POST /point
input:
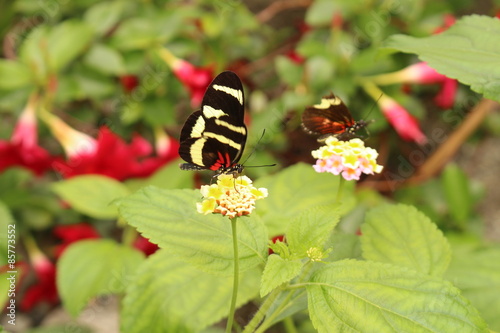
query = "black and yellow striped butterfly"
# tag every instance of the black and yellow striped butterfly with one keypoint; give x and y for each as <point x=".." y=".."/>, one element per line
<point x="213" y="138"/>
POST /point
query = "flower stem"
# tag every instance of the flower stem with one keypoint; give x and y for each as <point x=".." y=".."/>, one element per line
<point x="340" y="188"/>
<point x="236" y="280"/>
<point x="371" y="89"/>
<point x="261" y="313"/>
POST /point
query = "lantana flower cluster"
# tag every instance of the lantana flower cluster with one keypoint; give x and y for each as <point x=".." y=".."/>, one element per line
<point x="347" y="158"/>
<point x="230" y="196"/>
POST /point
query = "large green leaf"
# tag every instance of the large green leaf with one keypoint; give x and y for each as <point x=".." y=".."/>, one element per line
<point x="169" y="176"/>
<point x="475" y="269"/>
<point x="295" y="189"/>
<point x="277" y="272"/>
<point x="94" y="267"/>
<point x="401" y="235"/>
<point x="468" y="51"/>
<point x="14" y="75"/>
<point x="169" y="219"/>
<point x="169" y="295"/>
<point x="360" y="296"/>
<point x="92" y="194"/>
<point x="311" y="229"/>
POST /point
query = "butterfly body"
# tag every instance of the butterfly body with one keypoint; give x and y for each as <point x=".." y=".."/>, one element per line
<point x="213" y="138"/>
<point x="331" y="117"/>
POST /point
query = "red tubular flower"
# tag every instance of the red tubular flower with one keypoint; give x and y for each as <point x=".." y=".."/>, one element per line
<point x="195" y="79"/>
<point x="44" y="290"/>
<point x="72" y="233"/>
<point x="114" y="158"/>
<point x="295" y="57"/>
<point x="145" y="246"/>
<point x="23" y="149"/>
<point x="448" y="21"/>
<point x="404" y="123"/>
<point x="445" y="98"/>
<point x="421" y="73"/>
<point x="129" y="82"/>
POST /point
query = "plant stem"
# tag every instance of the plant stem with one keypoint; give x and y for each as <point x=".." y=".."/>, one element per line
<point x="340" y="189"/>
<point x="261" y="313"/>
<point x="232" y="309"/>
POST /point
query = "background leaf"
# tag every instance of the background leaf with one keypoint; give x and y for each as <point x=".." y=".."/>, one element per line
<point x="468" y="51"/>
<point x="179" y="297"/>
<point x="295" y="189"/>
<point x="66" y="41"/>
<point x="475" y="269"/>
<point x="92" y="194"/>
<point x="277" y="272"/>
<point x="105" y="60"/>
<point x="169" y="219"/>
<point x="401" y="235"/>
<point x="311" y="229"/>
<point x="94" y="267"/>
<point x="6" y="220"/>
<point x="358" y="296"/>
<point x="14" y="75"/>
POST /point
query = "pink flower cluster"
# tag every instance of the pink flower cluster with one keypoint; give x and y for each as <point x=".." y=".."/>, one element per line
<point x="347" y="158"/>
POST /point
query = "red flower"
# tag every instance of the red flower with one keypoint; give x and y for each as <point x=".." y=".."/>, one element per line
<point x="145" y="246"/>
<point x="22" y="149"/>
<point x="195" y="79"/>
<point x="404" y="123"/>
<point x="448" y="21"/>
<point x="421" y="73"/>
<point x="129" y="82"/>
<point x="445" y="98"/>
<point x="295" y="57"/>
<point x="114" y="158"/>
<point x="72" y="233"/>
<point x="275" y="239"/>
<point x="44" y="290"/>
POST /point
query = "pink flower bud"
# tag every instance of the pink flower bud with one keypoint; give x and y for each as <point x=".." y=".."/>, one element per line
<point x="404" y="123"/>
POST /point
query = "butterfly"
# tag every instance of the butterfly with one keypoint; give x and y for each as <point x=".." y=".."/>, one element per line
<point x="213" y="138"/>
<point x="331" y="117"/>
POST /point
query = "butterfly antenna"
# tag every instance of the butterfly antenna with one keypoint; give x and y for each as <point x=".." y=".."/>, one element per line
<point x="253" y="151"/>
<point x="373" y="106"/>
<point x="255" y="147"/>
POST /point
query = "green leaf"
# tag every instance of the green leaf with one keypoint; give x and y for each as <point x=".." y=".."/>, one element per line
<point x="14" y="75"/>
<point x="475" y="269"/>
<point x="358" y="296"/>
<point x="467" y="51"/>
<point x="311" y="229"/>
<point x="457" y="194"/>
<point x="92" y="194"/>
<point x="94" y="267"/>
<point x="277" y="272"/>
<point x="169" y="219"/>
<point x="168" y="177"/>
<point x="105" y="60"/>
<point x="289" y="72"/>
<point x="7" y="235"/>
<point x="66" y="41"/>
<point x="401" y="235"/>
<point x="169" y="295"/>
<point x="104" y="15"/>
<point x="295" y="189"/>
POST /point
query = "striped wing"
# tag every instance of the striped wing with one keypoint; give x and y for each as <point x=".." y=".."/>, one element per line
<point x="214" y="137"/>
<point x="331" y="116"/>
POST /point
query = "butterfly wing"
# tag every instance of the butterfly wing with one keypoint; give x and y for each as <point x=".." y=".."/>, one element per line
<point x="331" y="116"/>
<point x="214" y="137"/>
